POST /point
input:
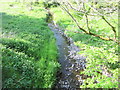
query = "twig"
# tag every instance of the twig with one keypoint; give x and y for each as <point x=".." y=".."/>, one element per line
<point x="89" y="33"/>
<point x="74" y="19"/>
<point x="113" y="28"/>
<point x="87" y="21"/>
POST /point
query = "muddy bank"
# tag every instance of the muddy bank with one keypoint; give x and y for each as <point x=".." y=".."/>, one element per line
<point x="71" y="63"/>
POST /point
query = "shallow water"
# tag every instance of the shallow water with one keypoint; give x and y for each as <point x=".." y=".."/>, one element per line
<point x="71" y="63"/>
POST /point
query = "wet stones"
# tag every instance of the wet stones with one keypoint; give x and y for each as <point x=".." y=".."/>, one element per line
<point x="68" y="74"/>
<point x="72" y="62"/>
<point x="63" y="84"/>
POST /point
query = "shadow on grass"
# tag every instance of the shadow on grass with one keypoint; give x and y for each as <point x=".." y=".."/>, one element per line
<point x="34" y="30"/>
<point x="32" y="37"/>
<point x="23" y="23"/>
<point x="64" y="23"/>
<point x="91" y="40"/>
<point x="85" y="38"/>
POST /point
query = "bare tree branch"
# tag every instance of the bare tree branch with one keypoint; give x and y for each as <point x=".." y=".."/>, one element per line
<point x="87" y="21"/>
<point x="90" y="11"/>
<point x="75" y="8"/>
<point x="113" y="28"/>
<point x="89" y="33"/>
<point x="74" y="19"/>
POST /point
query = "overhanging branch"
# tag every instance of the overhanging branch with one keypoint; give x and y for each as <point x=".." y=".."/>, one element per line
<point x="89" y="33"/>
<point x="113" y="28"/>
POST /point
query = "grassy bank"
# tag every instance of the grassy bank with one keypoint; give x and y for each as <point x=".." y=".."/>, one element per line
<point x="29" y="53"/>
<point x="102" y="56"/>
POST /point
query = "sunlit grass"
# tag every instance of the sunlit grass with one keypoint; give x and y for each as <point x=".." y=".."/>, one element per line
<point x="29" y="51"/>
<point x="97" y="51"/>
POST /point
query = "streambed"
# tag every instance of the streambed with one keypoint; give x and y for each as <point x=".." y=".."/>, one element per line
<point x="71" y="62"/>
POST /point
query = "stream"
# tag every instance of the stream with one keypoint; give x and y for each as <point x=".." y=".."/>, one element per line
<point x="71" y="62"/>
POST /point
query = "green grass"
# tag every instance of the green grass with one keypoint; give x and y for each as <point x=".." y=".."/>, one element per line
<point x="29" y="52"/>
<point x="96" y="24"/>
<point x="98" y="52"/>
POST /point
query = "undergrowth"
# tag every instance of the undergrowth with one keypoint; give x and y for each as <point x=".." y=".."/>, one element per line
<point x="101" y="56"/>
<point x="29" y="52"/>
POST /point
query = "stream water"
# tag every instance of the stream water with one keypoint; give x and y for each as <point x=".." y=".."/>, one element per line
<point x="71" y="63"/>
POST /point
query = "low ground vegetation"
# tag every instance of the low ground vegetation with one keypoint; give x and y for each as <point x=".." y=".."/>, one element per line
<point x="102" y="56"/>
<point x="29" y="53"/>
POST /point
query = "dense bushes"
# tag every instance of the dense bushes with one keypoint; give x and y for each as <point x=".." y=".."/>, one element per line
<point x="102" y="65"/>
<point x="29" y="53"/>
<point x="18" y="69"/>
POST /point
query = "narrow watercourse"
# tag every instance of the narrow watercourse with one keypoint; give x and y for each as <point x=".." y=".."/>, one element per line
<point x="71" y="63"/>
